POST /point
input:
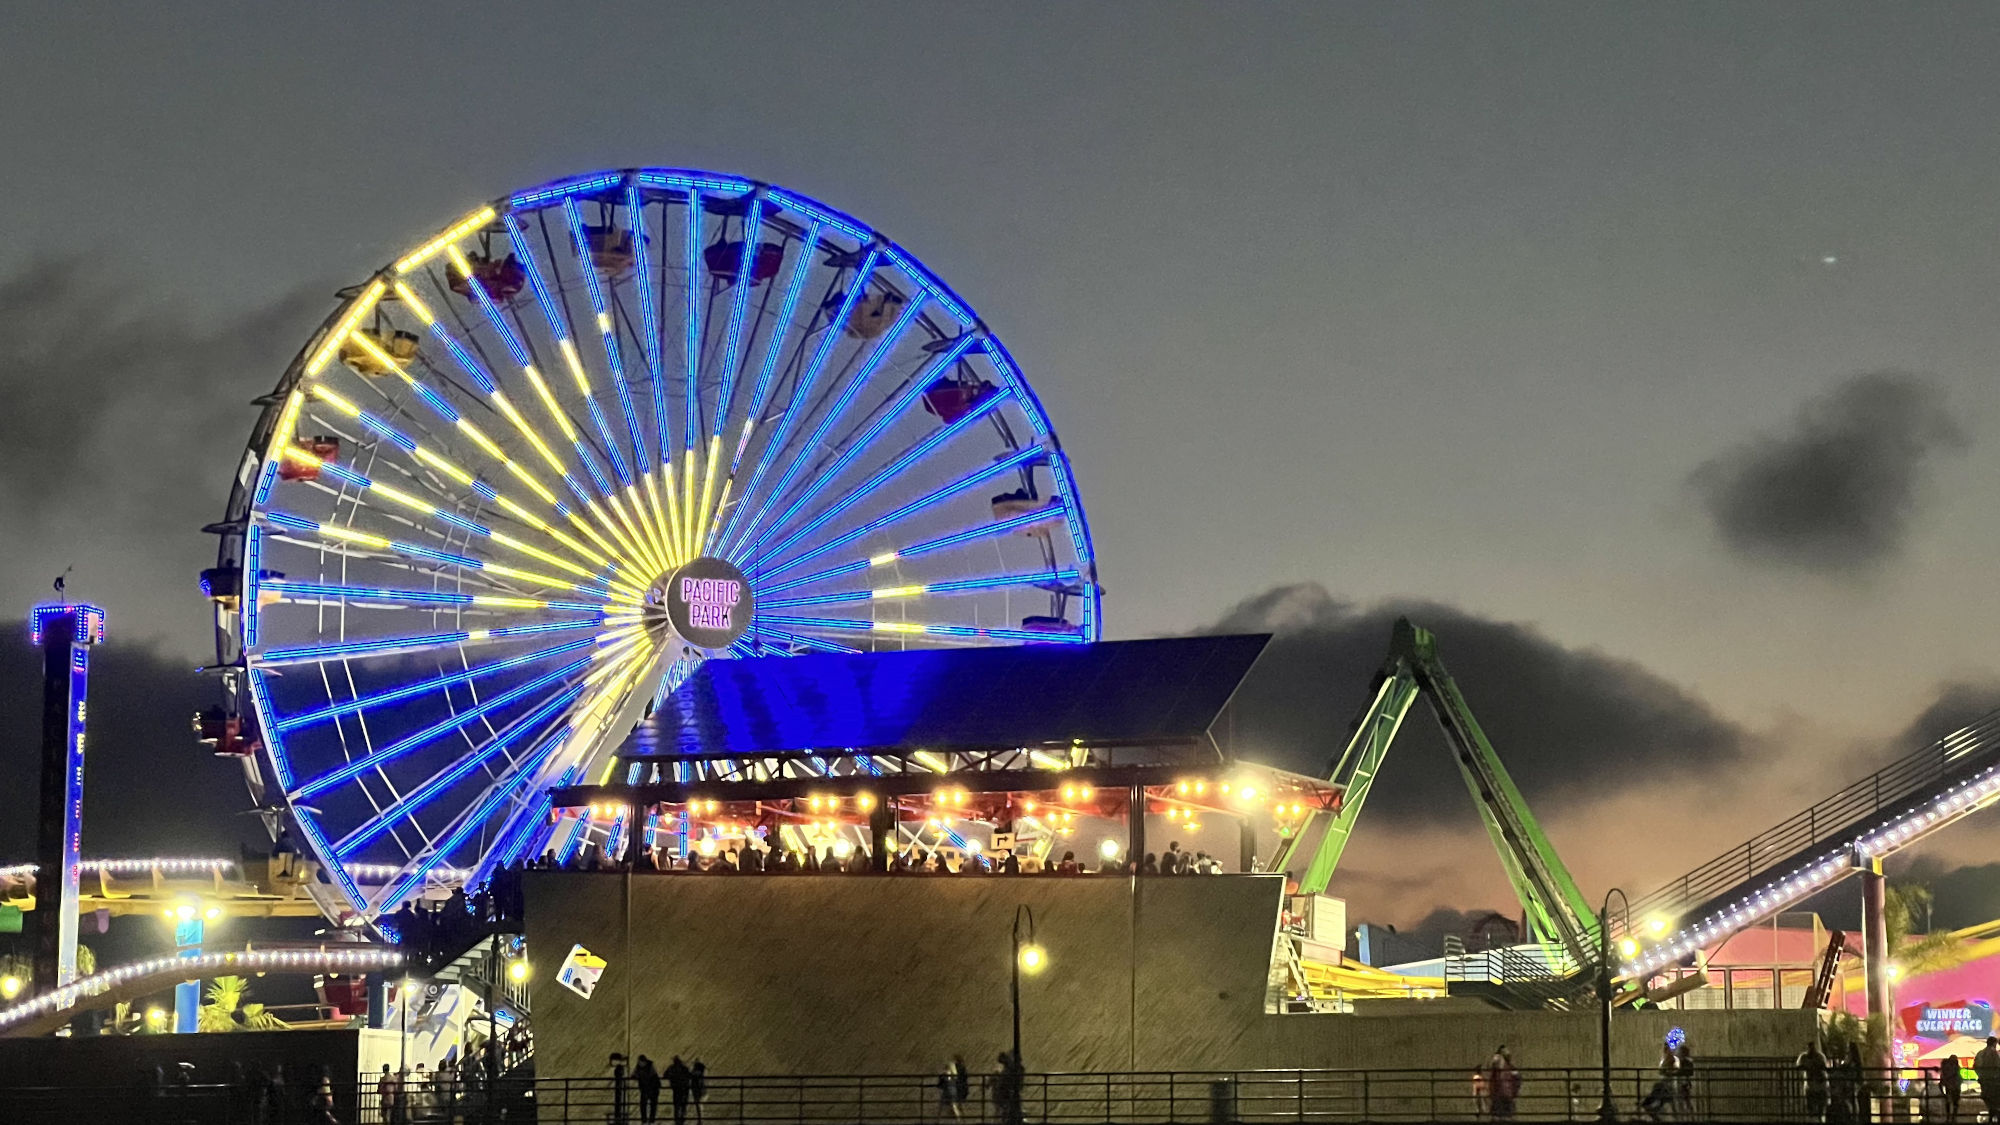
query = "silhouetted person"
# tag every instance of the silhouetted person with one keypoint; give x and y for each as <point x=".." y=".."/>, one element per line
<point x="1150" y="865"/>
<point x="1812" y="1076"/>
<point x="1951" y="1079"/>
<point x="698" y="1086"/>
<point x="1010" y="864"/>
<point x="1172" y="858"/>
<point x="1503" y="1083"/>
<point x="1068" y="865"/>
<point x="617" y="1088"/>
<point x="753" y="861"/>
<point x="647" y="1079"/>
<point x="680" y="1082"/>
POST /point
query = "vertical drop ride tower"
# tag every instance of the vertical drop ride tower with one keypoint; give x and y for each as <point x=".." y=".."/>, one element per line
<point x="65" y="633"/>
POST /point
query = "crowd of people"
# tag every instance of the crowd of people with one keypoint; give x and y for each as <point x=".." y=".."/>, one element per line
<point x="759" y="856"/>
<point x="686" y="1087"/>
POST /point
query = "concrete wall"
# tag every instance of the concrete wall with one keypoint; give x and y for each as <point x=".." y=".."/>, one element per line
<point x="884" y="975"/>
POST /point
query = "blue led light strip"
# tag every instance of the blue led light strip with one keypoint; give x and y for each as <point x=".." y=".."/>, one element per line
<point x="411" y="742"/>
<point x="694" y="288"/>
<point x="739" y="303"/>
<point x="608" y="335"/>
<point x="765" y="634"/>
<point x="801" y="268"/>
<point x="955" y="586"/>
<point x="885" y="418"/>
<point x="902" y="464"/>
<point x="802" y="391"/>
<point x="391" y="594"/>
<point x="474" y="818"/>
<point x="635" y="218"/>
<point x="422" y="795"/>
<point x="305" y="654"/>
<point x="833" y="414"/>
<point x="849" y="625"/>
<point x="579" y="185"/>
<point x="942" y="542"/>
<point x="425" y="687"/>
<point x="1079" y="528"/>
<point x="1006" y="464"/>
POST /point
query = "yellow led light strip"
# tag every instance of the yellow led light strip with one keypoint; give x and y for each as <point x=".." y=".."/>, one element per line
<point x="418" y="504"/>
<point x="361" y="307"/>
<point x="366" y="539"/>
<point x="485" y="443"/>
<point x="452" y="234"/>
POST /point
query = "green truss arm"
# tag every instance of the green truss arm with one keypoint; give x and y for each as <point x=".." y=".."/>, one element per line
<point x="1557" y="910"/>
<point x="1353" y="774"/>
<point x="1555" y="906"/>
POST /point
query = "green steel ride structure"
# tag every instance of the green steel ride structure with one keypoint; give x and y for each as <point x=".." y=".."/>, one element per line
<point x="1557" y="911"/>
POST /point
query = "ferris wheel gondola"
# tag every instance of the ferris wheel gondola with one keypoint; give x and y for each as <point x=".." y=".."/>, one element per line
<point x="529" y="475"/>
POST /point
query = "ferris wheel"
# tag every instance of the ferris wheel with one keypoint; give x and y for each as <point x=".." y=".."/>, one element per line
<point x="526" y="477"/>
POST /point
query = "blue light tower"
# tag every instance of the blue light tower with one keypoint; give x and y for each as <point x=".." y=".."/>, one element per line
<point x="65" y="631"/>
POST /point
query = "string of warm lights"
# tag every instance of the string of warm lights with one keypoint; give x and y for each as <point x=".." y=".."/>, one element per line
<point x="352" y="959"/>
<point x="167" y="865"/>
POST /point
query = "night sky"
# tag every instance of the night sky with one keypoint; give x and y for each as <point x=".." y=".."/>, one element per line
<point x="1644" y="352"/>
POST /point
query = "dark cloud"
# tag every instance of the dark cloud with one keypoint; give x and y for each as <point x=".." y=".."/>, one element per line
<point x="1568" y="723"/>
<point x="150" y="789"/>
<point x="1835" y="491"/>
<point x="125" y="418"/>
<point x="1956" y="707"/>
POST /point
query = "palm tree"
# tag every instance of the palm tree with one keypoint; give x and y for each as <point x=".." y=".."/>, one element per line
<point x="1928" y="953"/>
<point x="229" y="1009"/>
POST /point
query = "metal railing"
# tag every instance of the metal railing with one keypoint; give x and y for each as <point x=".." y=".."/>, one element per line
<point x="1722" y="1090"/>
<point x="1839" y="818"/>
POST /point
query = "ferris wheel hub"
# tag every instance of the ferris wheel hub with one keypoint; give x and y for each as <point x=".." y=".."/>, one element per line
<point x="706" y="601"/>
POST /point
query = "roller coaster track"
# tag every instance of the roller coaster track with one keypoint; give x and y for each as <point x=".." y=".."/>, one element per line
<point x="1884" y="812"/>
<point x="51" y="1010"/>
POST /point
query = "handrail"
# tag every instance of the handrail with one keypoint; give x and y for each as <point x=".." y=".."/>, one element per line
<point x="1836" y="817"/>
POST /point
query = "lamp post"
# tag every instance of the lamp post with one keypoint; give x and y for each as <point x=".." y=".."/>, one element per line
<point x="1027" y="956"/>
<point x="1605" y="1110"/>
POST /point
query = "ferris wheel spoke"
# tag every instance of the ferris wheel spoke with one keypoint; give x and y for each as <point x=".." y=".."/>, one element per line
<point x="389" y="596"/>
<point x="1007" y="464"/>
<point x="421" y="688"/>
<point x="775" y="348"/>
<point x="739" y="304"/>
<point x="378" y="758"/>
<point x="802" y="391"/>
<point x="489" y="447"/>
<point x="607" y="332"/>
<point x="913" y="628"/>
<point x="765" y="634"/>
<point x="921" y="589"/>
<point x="465" y="824"/>
<point x="470" y="528"/>
<point x="431" y="642"/>
<point x="485" y="493"/>
<point x="409" y="804"/>
<point x="909" y="458"/>
<point x="649" y="296"/>
<point x="997" y="528"/>
<point x="810" y="450"/>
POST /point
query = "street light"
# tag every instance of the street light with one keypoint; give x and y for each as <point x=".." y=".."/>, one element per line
<point x="1605" y="1110"/>
<point x="1029" y="958"/>
<point x="10" y="986"/>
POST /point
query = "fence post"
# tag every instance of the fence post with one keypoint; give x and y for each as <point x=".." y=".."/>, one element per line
<point x="861" y="1099"/>
<point x="1301" y="1080"/>
<point x="1367" y="1113"/>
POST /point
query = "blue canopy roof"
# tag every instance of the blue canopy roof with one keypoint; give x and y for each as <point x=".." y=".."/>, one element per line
<point x="1166" y="691"/>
